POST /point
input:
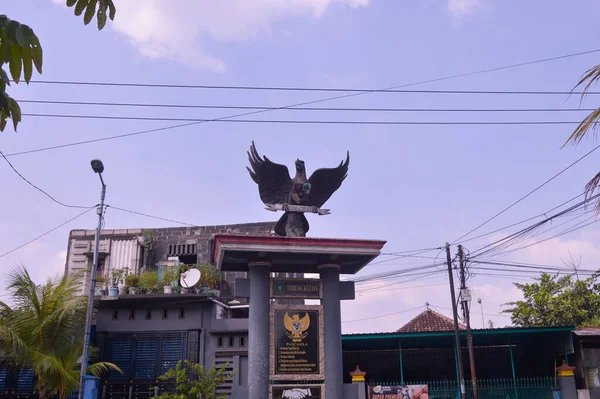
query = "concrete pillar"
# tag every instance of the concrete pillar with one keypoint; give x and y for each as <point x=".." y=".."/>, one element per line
<point x="330" y="276"/>
<point x="358" y="378"/>
<point x="258" y="330"/>
<point x="566" y="381"/>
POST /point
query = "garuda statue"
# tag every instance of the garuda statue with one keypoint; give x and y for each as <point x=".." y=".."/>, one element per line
<point x="275" y="186"/>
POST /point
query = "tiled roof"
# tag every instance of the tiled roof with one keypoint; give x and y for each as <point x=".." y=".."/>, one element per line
<point x="429" y="321"/>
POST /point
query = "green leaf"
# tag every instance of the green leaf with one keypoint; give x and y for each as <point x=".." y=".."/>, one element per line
<point x="22" y="35"/>
<point x="15" y="110"/>
<point x="27" y="63"/>
<point x="2" y="123"/>
<point x="71" y="3"/>
<point x="37" y="57"/>
<point x="10" y="32"/>
<point x="112" y="10"/>
<point x="101" y="16"/>
<point x="15" y="62"/>
<point x="81" y="4"/>
<point x="4" y="76"/>
<point x="90" y="11"/>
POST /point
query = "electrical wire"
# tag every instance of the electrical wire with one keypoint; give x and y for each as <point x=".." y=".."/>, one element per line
<point x="150" y="216"/>
<point x="47" y="232"/>
<point x="504" y="67"/>
<point x="530" y="266"/>
<point x="329" y="109"/>
<point x="309" y="122"/>
<point x="529" y="193"/>
<point x="383" y="315"/>
<point x="39" y="189"/>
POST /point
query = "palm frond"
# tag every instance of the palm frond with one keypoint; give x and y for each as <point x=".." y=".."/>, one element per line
<point x="589" y="123"/>
<point x="590" y="76"/>
<point x="99" y="368"/>
<point x="590" y="189"/>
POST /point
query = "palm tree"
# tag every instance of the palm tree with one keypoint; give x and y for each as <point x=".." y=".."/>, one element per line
<point x="589" y="124"/>
<point x="44" y="331"/>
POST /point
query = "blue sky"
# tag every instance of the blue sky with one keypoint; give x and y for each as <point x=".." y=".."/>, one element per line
<point x="414" y="186"/>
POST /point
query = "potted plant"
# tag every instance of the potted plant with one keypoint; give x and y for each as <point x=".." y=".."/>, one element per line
<point x="149" y="281"/>
<point x="169" y="277"/>
<point x="116" y="275"/>
<point x="182" y="268"/>
<point x="210" y="278"/>
<point x="122" y="287"/>
<point x="132" y="281"/>
<point x="100" y="281"/>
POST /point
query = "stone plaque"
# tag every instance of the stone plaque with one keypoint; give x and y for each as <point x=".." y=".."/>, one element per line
<point x="296" y="342"/>
<point x="296" y="391"/>
<point x="301" y="288"/>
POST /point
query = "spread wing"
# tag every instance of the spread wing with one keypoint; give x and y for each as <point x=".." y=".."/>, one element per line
<point x="326" y="181"/>
<point x="304" y="322"/>
<point x="288" y="322"/>
<point x="273" y="179"/>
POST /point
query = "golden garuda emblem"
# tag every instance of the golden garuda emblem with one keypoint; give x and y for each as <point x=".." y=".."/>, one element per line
<point x="296" y="326"/>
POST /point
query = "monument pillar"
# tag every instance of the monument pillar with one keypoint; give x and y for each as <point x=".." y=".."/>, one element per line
<point x="258" y="329"/>
<point x="330" y="276"/>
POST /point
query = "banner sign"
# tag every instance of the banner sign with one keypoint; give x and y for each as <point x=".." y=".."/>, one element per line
<point x="398" y="392"/>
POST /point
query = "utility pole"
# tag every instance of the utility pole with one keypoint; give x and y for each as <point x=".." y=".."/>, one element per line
<point x="98" y="168"/>
<point x="456" y="331"/>
<point x="465" y="306"/>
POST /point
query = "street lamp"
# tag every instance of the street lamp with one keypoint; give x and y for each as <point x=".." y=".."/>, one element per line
<point x="98" y="167"/>
<point x="480" y="302"/>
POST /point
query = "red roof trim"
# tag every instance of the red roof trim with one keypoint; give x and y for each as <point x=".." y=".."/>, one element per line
<point x="339" y="242"/>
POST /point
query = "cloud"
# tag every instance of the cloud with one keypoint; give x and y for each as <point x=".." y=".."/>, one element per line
<point x="175" y="29"/>
<point x="461" y="9"/>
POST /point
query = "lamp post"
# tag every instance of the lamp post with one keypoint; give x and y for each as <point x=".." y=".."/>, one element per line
<point x="98" y="167"/>
<point x="480" y="302"/>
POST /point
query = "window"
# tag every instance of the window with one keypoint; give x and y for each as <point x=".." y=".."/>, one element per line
<point x="165" y="314"/>
<point x="231" y="342"/>
<point x="148" y="314"/>
<point x="242" y="342"/>
<point x="181" y="313"/>
<point x="132" y="315"/>
<point x="115" y="315"/>
<point x="219" y="342"/>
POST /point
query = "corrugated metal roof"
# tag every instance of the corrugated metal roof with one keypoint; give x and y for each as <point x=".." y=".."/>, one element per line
<point x="124" y="253"/>
<point x="587" y="332"/>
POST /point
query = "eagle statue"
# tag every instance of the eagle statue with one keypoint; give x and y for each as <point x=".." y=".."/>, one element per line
<point x="275" y="186"/>
<point x="296" y="326"/>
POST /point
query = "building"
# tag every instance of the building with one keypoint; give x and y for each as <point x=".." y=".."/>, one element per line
<point x="148" y="249"/>
<point x="587" y="354"/>
<point x="510" y="362"/>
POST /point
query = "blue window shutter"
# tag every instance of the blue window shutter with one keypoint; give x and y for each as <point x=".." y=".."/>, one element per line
<point x="120" y="354"/>
<point x="172" y="350"/>
<point x="146" y="348"/>
<point x="3" y="375"/>
<point x="25" y="381"/>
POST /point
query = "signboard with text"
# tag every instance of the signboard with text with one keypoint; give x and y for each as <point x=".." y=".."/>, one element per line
<point x="296" y="342"/>
<point x="300" y="288"/>
<point x="296" y="391"/>
<point x="398" y="392"/>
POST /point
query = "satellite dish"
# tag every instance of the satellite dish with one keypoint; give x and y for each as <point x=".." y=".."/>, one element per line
<point x="190" y="278"/>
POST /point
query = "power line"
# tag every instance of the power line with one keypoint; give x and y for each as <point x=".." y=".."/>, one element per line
<point x="528" y="194"/>
<point x="530" y="266"/>
<point x="329" y="109"/>
<point x="383" y="315"/>
<point x="510" y="238"/>
<point x="307" y="102"/>
<point x="302" y="122"/>
<point x="47" y="232"/>
<point x="524" y="220"/>
<point x="150" y="216"/>
<point x="37" y="188"/>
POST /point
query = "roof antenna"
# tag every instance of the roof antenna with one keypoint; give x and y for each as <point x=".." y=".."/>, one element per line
<point x="427" y="306"/>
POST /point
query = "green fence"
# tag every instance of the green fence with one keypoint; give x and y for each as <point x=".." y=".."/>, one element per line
<point x="501" y="388"/>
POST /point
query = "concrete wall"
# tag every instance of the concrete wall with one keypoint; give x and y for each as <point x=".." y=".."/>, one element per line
<point x="591" y="359"/>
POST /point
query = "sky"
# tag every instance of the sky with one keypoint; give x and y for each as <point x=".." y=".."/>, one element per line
<point x="415" y="186"/>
